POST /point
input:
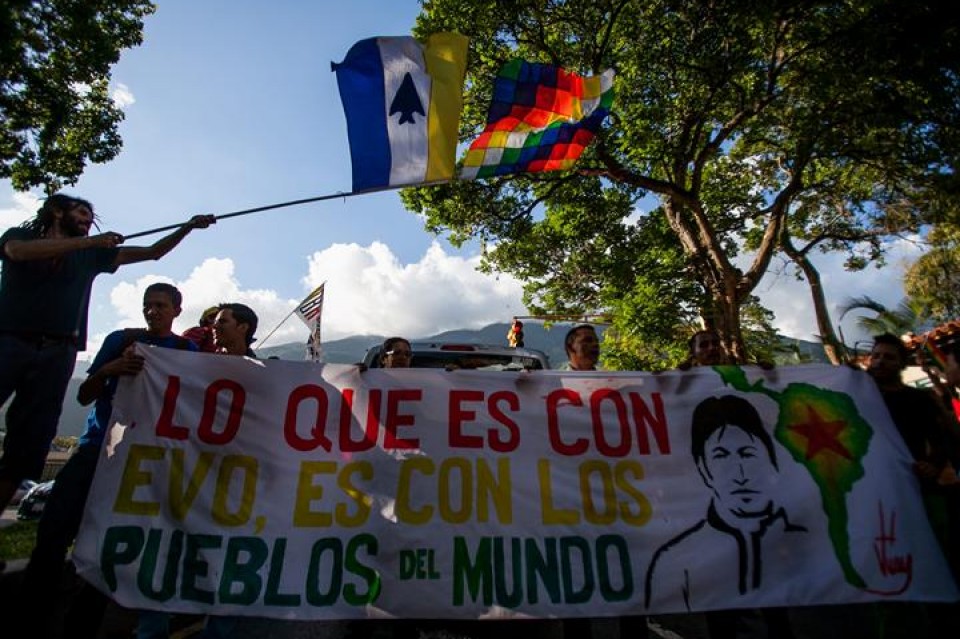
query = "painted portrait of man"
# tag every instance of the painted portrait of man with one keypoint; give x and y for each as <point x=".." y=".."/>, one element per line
<point x="722" y="555"/>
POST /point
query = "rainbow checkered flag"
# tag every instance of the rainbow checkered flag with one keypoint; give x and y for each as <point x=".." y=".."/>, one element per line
<point x="541" y="118"/>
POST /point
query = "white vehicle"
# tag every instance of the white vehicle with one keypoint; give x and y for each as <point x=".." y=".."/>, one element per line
<point x="451" y="356"/>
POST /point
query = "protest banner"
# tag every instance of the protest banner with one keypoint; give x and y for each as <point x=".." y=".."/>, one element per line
<point x="238" y="486"/>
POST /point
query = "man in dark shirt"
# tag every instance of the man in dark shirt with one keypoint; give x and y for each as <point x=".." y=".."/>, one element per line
<point x="49" y="265"/>
<point x="915" y="412"/>
<point x="63" y="511"/>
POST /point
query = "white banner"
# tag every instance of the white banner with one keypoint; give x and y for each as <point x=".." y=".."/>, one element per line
<point x="287" y="489"/>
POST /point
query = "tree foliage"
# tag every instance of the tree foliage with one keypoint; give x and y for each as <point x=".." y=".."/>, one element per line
<point x="743" y="119"/>
<point x="934" y="278"/>
<point x="56" y="114"/>
<point x="909" y="316"/>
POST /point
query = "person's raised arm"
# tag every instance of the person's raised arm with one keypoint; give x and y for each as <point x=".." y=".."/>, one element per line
<point x="48" y="248"/>
<point x="133" y="254"/>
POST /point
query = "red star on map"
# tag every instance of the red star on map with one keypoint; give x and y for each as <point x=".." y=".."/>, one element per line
<point x="821" y="435"/>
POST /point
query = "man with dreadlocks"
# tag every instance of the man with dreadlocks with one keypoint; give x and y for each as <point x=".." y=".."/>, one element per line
<point x="49" y="264"/>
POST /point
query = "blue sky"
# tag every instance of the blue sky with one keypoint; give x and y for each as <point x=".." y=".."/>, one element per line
<point x="232" y="105"/>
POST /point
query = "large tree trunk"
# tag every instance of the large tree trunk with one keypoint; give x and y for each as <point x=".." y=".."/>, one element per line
<point x="832" y="346"/>
<point x="721" y="313"/>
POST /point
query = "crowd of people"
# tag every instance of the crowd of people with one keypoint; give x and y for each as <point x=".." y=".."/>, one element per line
<point x="49" y="265"/>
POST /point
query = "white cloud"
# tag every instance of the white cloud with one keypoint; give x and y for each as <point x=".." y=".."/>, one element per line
<point x="122" y="96"/>
<point x="23" y="207"/>
<point x="790" y="298"/>
<point x="209" y="284"/>
<point x="368" y="291"/>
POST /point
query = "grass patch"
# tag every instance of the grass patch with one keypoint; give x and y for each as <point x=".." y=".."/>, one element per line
<point x="17" y="540"/>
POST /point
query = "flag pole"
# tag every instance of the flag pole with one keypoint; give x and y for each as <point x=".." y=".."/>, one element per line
<point x="264" y="340"/>
<point x="258" y="209"/>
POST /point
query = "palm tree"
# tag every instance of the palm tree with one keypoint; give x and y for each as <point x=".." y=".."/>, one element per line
<point x="911" y="316"/>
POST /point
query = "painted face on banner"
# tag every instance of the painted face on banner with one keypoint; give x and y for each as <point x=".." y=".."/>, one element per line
<point x="740" y="472"/>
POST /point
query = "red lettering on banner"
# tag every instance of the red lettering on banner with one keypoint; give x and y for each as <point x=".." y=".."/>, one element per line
<point x="165" y="426"/>
<point x="459" y="416"/>
<point x="554" y="400"/>
<point x="396" y="420"/>
<point x="369" y="439"/>
<point x="497" y="443"/>
<point x="891" y="565"/>
<point x="599" y="431"/>
<point x="238" y="398"/>
<point x="319" y="438"/>
<point x="614" y="439"/>
<point x="205" y="430"/>
<point x="644" y="420"/>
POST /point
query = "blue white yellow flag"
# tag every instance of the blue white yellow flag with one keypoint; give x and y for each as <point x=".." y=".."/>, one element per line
<point x="402" y="100"/>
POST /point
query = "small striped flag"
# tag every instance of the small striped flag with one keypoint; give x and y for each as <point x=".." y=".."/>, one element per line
<point x="311" y="307"/>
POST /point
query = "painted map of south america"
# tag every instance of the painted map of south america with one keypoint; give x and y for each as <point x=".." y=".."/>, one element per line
<point x="824" y="432"/>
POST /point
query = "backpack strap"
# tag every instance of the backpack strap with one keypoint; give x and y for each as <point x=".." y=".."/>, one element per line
<point x="131" y="335"/>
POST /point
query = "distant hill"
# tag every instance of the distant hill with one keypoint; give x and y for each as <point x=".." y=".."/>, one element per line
<point x="352" y="349"/>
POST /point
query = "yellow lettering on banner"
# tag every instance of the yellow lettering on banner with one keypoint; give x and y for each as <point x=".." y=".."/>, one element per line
<point x="608" y="514"/>
<point x="404" y="510"/>
<point x="308" y="492"/>
<point x="644" y="510"/>
<point x="465" y="490"/>
<point x="498" y="491"/>
<point x="361" y="499"/>
<point x="180" y="499"/>
<point x="613" y="483"/>
<point x="249" y="468"/>
<point x="552" y="516"/>
<point x="133" y="477"/>
<point x="455" y="474"/>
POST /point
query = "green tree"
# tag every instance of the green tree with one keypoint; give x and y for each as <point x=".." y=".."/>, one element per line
<point x="909" y="316"/>
<point x="727" y="112"/>
<point x="934" y="278"/>
<point x="56" y="114"/>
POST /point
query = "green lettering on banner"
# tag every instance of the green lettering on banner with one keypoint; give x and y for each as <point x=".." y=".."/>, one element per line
<point x="121" y="546"/>
<point x="473" y="575"/>
<point x="245" y="573"/>
<point x="568" y="544"/>
<point x="314" y="595"/>
<point x="196" y="568"/>
<point x="618" y="544"/>
<point x="542" y="567"/>
<point x="568" y="568"/>
<point x="370" y="576"/>
<point x="504" y="598"/>
<point x="273" y="597"/>
<point x="148" y="565"/>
